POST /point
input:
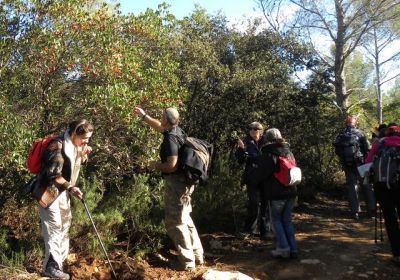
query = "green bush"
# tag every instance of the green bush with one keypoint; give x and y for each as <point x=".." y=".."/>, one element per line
<point x="220" y="204"/>
<point x="130" y="216"/>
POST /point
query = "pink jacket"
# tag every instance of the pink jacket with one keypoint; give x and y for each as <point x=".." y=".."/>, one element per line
<point x="392" y="141"/>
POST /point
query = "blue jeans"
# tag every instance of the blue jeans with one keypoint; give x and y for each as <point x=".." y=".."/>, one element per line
<point x="281" y="211"/>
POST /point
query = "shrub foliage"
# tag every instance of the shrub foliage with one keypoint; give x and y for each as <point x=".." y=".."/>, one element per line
<point x="62" y="60"/>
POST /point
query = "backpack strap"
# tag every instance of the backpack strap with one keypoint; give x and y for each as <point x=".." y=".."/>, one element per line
<point x="381" y="145"/>
<point x="178" y="139"/>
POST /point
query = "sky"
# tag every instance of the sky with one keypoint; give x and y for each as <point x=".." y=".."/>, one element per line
<point x="234" y="10"/>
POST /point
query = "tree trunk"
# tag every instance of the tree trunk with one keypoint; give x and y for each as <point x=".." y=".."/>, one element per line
<point x="378" y="80"/>
<point x="340" y="79"/>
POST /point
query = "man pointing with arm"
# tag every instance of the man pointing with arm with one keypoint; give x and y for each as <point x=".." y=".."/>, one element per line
<point x="177" y="196"/>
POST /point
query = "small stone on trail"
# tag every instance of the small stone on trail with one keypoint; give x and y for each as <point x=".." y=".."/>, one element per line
<point x="212" y="274"/>
<point x="217" y="245"/>
<point x="346" y="258"/>
<point x="310" y="261"/>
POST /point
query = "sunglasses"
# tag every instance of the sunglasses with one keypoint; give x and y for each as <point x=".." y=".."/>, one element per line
<point x="253" y="128"/>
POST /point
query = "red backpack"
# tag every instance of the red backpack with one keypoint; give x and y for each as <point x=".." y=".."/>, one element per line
<point x="289" y="174"/>
<point x="34" y="162"/>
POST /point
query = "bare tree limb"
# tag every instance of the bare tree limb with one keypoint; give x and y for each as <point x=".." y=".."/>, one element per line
<point x="390" y="58"/>
<point x="392" y="78"/>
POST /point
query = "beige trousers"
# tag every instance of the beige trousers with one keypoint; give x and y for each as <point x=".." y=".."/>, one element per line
<point x="179" y="224"/>
<point x="55" y="223"/>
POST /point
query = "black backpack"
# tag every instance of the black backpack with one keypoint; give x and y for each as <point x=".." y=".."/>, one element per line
<point x="386" y="166"/>
<point x="347" y="147"/>
<point x="194" y="158"/>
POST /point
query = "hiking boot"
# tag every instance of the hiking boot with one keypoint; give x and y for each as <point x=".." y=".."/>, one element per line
<point x="55" y="273"/>
<point x="189" y="269"/>
<point x="280" y="253"/>
<point x="199" y="261"/>
<point x="176" y="265"/>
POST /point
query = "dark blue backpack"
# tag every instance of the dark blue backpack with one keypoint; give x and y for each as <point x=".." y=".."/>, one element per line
<point x="347" y="147"/>
<point x="386" y="166"/>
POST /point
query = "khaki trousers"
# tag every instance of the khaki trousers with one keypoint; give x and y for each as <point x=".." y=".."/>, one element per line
<point x="179" y="224"/>
<point x="55" y="223"/>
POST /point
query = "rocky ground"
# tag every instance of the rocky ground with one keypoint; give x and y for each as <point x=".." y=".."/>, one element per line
<point x="331" y="246"/>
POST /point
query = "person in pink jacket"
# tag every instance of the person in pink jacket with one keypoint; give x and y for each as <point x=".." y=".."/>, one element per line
<point x="388" y="198"/>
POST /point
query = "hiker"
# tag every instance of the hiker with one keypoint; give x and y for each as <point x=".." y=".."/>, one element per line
<point x="58" y="176"/>
<point x="388" y="198"/>
<point x="249" y="152"/>
<point x="378" y="133"/>
<point x="282" y="197"/>
<point x="351" y="145"/>
<point x="177" y="196"/>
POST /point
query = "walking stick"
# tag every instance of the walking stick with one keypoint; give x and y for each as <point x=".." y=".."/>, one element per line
<point x="376" y="223"/>
<point x="98" y="236"/>
<point x="380" y="221"/>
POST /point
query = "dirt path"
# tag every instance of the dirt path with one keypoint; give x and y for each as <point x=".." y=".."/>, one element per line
<point x="331" y="247"/>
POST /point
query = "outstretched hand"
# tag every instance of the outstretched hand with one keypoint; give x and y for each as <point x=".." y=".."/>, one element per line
<point x="139" y="111"/>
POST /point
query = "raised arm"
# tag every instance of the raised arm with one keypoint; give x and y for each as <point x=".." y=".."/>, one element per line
<point x="154" y="123"/>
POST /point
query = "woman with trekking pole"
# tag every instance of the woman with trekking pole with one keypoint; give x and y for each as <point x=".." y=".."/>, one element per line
<point x="56" y="183"/>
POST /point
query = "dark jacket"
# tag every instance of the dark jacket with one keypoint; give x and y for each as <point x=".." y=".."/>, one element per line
<point x="269" y="164"/>
<point x="250" y="155"/>
<point x="55" y="163"/>
<point x="362" y="140"/>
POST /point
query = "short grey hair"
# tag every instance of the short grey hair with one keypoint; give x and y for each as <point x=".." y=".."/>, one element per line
<point x="273" y="134"/>
<point x="172" y="116"/>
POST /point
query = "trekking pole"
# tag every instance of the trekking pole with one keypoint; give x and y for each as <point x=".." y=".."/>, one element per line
<point x="376" y="223"/>
<point x="98" y="236"/>
<point x="269" y="212"/>
<point x="235" y="221"/>
<point x="380" y="222"/>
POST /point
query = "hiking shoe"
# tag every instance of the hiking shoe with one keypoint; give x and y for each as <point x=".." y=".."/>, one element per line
<point x="189" y="269"/>
<point x="176" y="265"/>
<point x="280" y="253"/>
<point x="199" y="261"/>
<point x="55" y="273"/>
